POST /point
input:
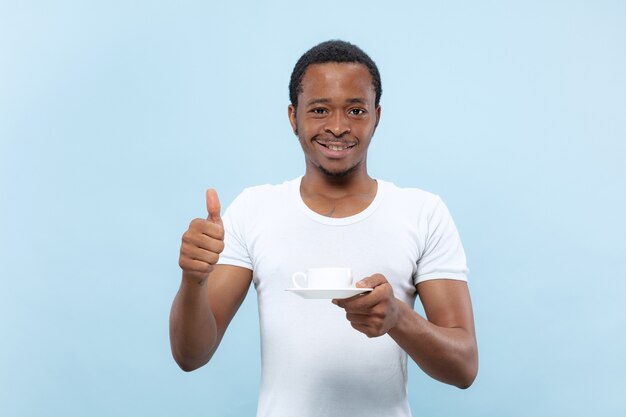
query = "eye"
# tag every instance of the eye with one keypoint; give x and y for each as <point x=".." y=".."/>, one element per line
<point x="318" y="111"/>
<point x="356" y="112"/>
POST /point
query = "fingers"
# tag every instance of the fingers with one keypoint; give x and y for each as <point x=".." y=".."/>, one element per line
<point x="373" y="322"/>
<point x="195" y="267"/>
<point x="371" y="326"/>
<point x="373" y="313"/>
<point x="371" y="282"/>
<point x="199" y="252"/>
<point x="360" y="318"/>
<point x="363" y="302"/>
<point x="203" y="242"/>
<point x="201" y="248"/>
<point x="367" y="330"/>
<point x="357" y="302"/>
<point x="204" y="235"/>
<point x="213" y="206"/>
<point x="360" y="308"/>
<point x="206" y="227"/>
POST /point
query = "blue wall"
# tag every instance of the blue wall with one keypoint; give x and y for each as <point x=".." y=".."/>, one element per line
<point x="115" y="117"/>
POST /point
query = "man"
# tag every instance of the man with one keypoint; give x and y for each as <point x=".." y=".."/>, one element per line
<point x="320" y="359"/>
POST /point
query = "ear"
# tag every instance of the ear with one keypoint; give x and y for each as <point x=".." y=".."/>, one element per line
<point x="378" y="109"/>
<point x="291" y="112"/>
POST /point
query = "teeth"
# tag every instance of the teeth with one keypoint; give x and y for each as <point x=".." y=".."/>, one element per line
<point x="338" y="147"/>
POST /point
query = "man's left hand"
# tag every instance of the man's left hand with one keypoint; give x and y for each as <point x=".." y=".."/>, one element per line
<point x="374" y="313"/>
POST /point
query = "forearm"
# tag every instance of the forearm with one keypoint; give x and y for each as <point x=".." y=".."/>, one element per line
<point x="446" y="354"/>
<point x="193" y="331"/>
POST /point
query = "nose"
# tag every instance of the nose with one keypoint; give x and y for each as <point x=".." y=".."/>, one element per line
<point x="338" y="124"/>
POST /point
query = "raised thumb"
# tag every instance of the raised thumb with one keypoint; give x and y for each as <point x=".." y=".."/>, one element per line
<point x="213" y="206"/>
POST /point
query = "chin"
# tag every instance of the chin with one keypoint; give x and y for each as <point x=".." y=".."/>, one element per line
<point x="338" y="173"/>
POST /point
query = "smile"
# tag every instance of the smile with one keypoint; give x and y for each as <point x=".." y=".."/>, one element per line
<point x="337" y="147"/>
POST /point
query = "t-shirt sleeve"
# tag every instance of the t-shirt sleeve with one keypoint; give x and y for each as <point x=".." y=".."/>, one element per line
<point x="235" y="248"/>
<point x="443" y="256"/>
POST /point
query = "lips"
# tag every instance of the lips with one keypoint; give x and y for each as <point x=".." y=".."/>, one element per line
<point x="336" y="146"/>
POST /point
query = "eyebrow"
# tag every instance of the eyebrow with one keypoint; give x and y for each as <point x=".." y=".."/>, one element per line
<point x="356" y="100"/>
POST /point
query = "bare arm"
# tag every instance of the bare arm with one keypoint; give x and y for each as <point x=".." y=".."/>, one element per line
<point x="209" y="294"/>
<point x="201" y="312"/>
<point x="443" y="345"/>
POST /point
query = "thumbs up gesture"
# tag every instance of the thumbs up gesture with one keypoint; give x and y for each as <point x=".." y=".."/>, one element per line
<point x="213" y="207"/>
<point x="203" y="241"/>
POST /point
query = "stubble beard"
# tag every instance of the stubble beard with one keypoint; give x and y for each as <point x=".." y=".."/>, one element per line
<point x="336" y="174"/>
<point x="323" y="170"/>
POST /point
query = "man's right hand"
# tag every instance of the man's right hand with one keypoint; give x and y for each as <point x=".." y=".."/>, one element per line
<point x="203" y="241"/>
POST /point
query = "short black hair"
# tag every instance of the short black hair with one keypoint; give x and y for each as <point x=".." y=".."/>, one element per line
<point x="332" y="51"/>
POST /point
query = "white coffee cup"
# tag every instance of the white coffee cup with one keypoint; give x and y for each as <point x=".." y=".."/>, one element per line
<point x="325" y="278"/>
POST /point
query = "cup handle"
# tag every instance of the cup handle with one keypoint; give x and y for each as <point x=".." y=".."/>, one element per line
<point x="294" y="278"/>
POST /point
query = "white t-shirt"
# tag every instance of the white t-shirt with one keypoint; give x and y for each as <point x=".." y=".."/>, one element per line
<point x="313" y="362"/>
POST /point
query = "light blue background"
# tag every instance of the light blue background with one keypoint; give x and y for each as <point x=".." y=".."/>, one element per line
<point x="116" y="116"/>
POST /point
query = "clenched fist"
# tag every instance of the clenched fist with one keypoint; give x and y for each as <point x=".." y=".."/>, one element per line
<point x="203" y="241"/>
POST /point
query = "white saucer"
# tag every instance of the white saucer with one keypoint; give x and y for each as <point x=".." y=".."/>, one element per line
<point x="328" y="293"/>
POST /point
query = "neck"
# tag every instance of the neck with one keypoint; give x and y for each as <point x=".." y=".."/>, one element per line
<point x="315" y="182"/>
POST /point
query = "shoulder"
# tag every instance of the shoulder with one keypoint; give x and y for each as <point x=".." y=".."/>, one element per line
<point x="415" y="198"/>
<point x="257" y="198"/>
<point x="268" y="192"/>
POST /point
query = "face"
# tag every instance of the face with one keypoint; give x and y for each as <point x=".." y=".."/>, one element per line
<point x="336" y="118"/>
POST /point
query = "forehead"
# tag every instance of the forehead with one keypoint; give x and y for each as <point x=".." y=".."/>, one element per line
<point x="338" y="78"/>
